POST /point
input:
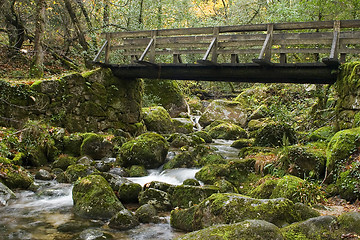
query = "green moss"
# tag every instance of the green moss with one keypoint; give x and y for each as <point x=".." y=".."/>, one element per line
<point x="137" y="171"/>
<point x="185" y="196"/>
<point x="63" y="161"/>
<point x="75" y="172"/>
<point x="204" y="135"/>
<point x="241" y="143"/>
<point x="324" y="133"/>
<point x="14" y="176"/>
<point x="72" y="144"/>
<point x="277" y="134"/>
<point x="227" y="131"/>
<point x="348" y="79"/>
<point x="348" y="183"/>
<point x="157" y="119"/>
<point x="129" y="192"/>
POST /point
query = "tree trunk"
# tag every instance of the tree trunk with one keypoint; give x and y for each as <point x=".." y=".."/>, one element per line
<point x="37" y="66"/>
<point x="106" y="16"/>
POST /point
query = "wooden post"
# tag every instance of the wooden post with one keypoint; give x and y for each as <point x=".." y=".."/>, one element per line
<point x="108" y="48"/>
<point x="234" y="58"/>
<point x="283" y="58"/>
<point x="265" y="53"/>
<point x="333" y="59"/>
<point x="177" y="58"/>
<point x="216" y="45"/>
<point x="153" y="47"/>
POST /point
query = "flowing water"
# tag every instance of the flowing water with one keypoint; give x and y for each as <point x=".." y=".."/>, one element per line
<point x="47" y="213"/>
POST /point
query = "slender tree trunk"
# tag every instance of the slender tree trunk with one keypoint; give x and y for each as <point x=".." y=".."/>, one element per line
<point x="88" y="22"/>
<point x="37" y="68"/>
<point x="106" y="17"/>
<point x="141" y="20"/>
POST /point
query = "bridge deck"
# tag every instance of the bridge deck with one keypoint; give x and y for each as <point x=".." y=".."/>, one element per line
<point x="222" y="53"/>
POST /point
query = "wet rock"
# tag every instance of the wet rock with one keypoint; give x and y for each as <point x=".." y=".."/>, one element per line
<point x="241" y="143"/>
<point x="74" y="172"/>
<point x="204" y="135"/>
<point x="105" y="164"/>
<point x="77" y="226"/>
<point x="249" y="229"/>
<point x="182" y="125"/>
<point x="96" y="146"/>
<point x="235" y="171"/>
<point x="114" y="180"/>
<point x="276" y="134"/>
<point x="227" y="131"/>
<point x="185" y="196"/>
<point x="225" y="208"/>
<point x="63" y="161"/>
<point x="159" y="199"/>
<point x="137" y="171"/>
<point x="95" y="234"/>
<point x="129" y="192"/>
<point x="166" y="187"/>
<point x="224" y="110"/>
<point x="16" y="177"/>
<point x="85" y="160"/>
<point x="119" y="171"/>
<point x="123" y="220"/>
<point x="147" y="214"/>
<point x="42" y="174"/>
<point x="93" y="198"/>
<point x="5" y="194"/>
<point x="157" y="119"/>
<point x="191" y="182"/>
<point x="148" y="150"/>
<point x="178" y="140"/>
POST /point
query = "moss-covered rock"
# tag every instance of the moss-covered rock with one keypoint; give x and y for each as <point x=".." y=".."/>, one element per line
<point x="183" y="125"/>
<point x="149" y="150"/>
<point x="178" y="140"/>
<point x="181" y="160"/>
<point x="304" y="162"/>
<point x="96" y="146"/>
<point x="63" y="161"/>
<point x="235" y="171"/>
<point x="241" y="143"/>
<point x="191" y="182"/>
<point x="157" y="119"/>
<point x="5" y="194"/>
<point x="94" y="198"/>
<point x="123" y="220"/>
<point x="228" y="131"/>
<point x="159" y="199"/>
<point x="277" y="134"/>
<point x="14" y="176"/>
<point x="231" y="111"/>
<point x="129" y="192"/>
<point x="137" y="171"/>
<point x="43" y="174"/>
<point x="323" y="227"/>
<point x="322" y="134"/>
<point x="76" y="171"/>
<point x="226" y="208"/>
<point x="249" y="229"/>
<point x="166" y="93"/>
<point x="350" y="221"/>
<point x="165" y="187"/>
<point x="185" y="196"/>
<point x="204" y="135"/>
<point x="340" y="148"/>
<point x="147" y="214"/>
<point x="225" y="186"/>
<point x="72" y="144"/>
<point x="348" y="182"/>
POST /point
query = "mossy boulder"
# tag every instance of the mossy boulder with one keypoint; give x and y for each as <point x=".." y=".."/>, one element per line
<point x="178" y="140"/>
<point x="249" y="229"/>
<point x="165" y="187"/>
<point x="225" y="186"/>
<point x="72" y="144"/>
<point x="277" y="134"/>
<point x="43" y="174"/>
<point x="204" y="135"/>
<point x="146" y="214"/>
<point x="166" y="93"/>
<point x="128" y="192"/>
<point x="241" y="143"/>
<point x="15" y="177"/>
<point x="291" y="187"/>
<point x="235" y="171"/>
<point x="228" y="131"/>
<point x="63" y="161"/>
<point x="123" y="220"/>
<point x="341" y="146"/>
<point x="185" y="196"/>
<point x="183" y="125"/>
<point x="191" y="182"/>
<point x="350" y="221"/>
<point x="348" y="182"/>
<point x="181" y="160"/>
<point x="226" y="208"/>
<point x="322" y="134"/>
<point x="137" y="171"/>
<point x="159" y="199"/>
<point x="157" y="119"/>
<point x="304" y="162"/>
<point x="96" y="146"/>
<point x="230" y="111"/>
<point x="148" y="150"/>
<point x="93" y="198"/>
<point x="76" y="171"/>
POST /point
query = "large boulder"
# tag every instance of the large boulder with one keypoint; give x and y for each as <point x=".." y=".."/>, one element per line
<point x="185" y="196"/>
<point x="157" y="119"/>
<point x="348" y="183"/>
<point x="76" y="171"/>
<point x="350" y="221"/>
<point x="15" y="177"/>
<point x="159" y="199"/>
<point x="230" y="111"/>
<point x="96" y="146"/>
<point x="341" y="146"/>
<point x="249" y="229"/>
<point x="165" y="93"/>
<point x="93" y="198"/>
<point x="228" y="131"/>
<point x="148" y="149"/>
<point x="226" y="208"/>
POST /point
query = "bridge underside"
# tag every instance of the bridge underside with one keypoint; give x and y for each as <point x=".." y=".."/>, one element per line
<point x="316" y="73"/>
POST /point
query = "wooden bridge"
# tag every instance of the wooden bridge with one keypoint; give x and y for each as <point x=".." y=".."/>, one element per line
<point x="297" y="52"/>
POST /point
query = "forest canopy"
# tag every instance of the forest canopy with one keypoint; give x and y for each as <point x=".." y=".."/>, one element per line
<point x="69" y="30"/>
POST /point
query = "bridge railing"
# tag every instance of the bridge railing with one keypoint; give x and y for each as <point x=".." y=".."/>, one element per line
<point x="269" y="43"/>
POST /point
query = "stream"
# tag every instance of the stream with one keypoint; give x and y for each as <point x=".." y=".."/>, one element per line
<point x="47" y="213"/>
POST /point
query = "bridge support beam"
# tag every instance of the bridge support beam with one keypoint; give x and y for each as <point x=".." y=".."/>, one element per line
<point x="277" y="73"/>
